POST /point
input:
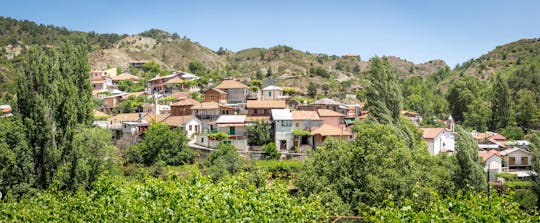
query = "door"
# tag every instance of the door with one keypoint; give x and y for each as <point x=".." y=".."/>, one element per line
<point x="232" y="130"/>
<point x="283" y="144"/>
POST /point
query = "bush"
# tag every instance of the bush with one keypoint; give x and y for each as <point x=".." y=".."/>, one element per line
<point x="223" y="161"/>
<point x="218" y="136"/>
<point x="271" y="151"/>
<point x="160" y="143"/>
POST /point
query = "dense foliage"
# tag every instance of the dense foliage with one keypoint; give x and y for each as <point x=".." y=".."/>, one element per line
<point x="162" y="144"/>
<point x="191" y="199"/>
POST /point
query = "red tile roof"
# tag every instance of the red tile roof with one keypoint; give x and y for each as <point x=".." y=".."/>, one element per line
<point x="305" y="115"/>
<point x="329" y="130"/>
<point x="230" y="84"/>
<point x="431" y="133"/>
<point x="329" y="113"/>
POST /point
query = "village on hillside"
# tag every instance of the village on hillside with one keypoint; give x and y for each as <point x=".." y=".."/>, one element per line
<point x="225" y="111"/>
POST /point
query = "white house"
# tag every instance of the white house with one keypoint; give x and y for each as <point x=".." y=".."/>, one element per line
<point x="517" y="158"/>
<point x="439" y="140"/>
<point x="189" y="123"/>
<point x="271" y="93"/>
<point x="492" y="163"/>
<point x="282" y="122"/>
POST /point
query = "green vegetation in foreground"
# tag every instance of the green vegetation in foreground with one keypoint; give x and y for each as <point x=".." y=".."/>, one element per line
<point x="188" y="196"/>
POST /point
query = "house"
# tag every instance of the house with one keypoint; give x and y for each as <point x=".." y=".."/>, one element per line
<point x="208" y="112"/>
<point x="110" y="102"/>
<point x="324" y="103"/>
<point x="305" y="121"/>
<point x="438" y="140"/>
<point x="489" y="140"/>
<point x="415" y="118"/>
<point x="98" y="84"/>
<point x="5" y="111"/>
<point x="116" y="123"/>
<point x="102" y="74"/>
<point x="183" y="107"/>
<point x="516" y="158"/>
<point x="492" y="163"/>
<point x="272" y="93"/>
<point x="524" y="144"/>
<point x="325" y="131"/>
<point x="263" y="108"/>
<point x="215" y="95"/>
<point x="158" y="84"/>
<point x="124" y="77"/>
<point x="330" y="117"/>
<point x="236" y="91"/>
<point x="134" y="129"/>
<point x="234" y="126"/>
<point x="189" y="123"/>
<point x="282" y="126"/>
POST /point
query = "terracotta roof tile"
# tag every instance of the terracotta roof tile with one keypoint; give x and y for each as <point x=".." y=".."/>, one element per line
<point x="186" y="102"/>
<point x="329" y="113"/>
<point x="229" y="84"/>
<point x="125" y="76"/>
<point x="305" y="115"/>
<point x="329" y="130"/>
<point x="206" y="105"/>
<point x="266" y="104"/>
<point x="129" y="117"/>
<point x="177" y="121"/>
<point x="431" y="133"/>
<point x="175" y="80"/>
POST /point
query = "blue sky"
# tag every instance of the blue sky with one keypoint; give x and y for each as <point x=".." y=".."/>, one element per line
<point x="418" y="31"/>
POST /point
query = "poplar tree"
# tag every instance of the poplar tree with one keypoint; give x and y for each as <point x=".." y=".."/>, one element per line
<point x="53" y="96"/>
<point x="500" y="103"/>
<point x="384" y="98"/>
<point x="469" y="173"/>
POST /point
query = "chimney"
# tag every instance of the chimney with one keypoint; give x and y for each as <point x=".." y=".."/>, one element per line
<point x="450" y="123"/>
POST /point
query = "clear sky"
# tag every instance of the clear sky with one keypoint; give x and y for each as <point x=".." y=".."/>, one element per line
<point x="418" y="31"/>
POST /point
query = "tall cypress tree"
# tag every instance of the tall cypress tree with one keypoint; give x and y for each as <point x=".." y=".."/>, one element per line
<point x="500" y="103"/>
<point x="53" y="96"/>
<point x="384" y="98"/>
<point x="469" y="173"/>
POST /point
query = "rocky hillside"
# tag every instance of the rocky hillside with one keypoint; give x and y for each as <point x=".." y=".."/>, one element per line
<point x="520" y="53"/>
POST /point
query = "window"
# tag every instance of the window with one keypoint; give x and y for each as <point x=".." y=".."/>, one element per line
<point x="286" y="123"/>
<point x="297" y="125"/>
<point x="511" y="161"/>
<point x="212" y="98"/>
<point x="190" y="127"/>
<point x="269" y="93"/>
<point x="524" y="161"/>
<point x="202" y="139"/>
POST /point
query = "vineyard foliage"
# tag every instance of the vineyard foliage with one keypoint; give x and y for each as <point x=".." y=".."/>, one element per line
<point x="194" y="198"/>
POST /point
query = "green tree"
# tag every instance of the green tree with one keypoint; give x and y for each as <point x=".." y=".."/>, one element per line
<point x="151" y="69"/>
<point x="258" y="133"/>
<point x="196" y="67"/>
<point x="269" y="72"/>
<point x="223" y="161"/>
<point x="132" y="104"/>
<point x="16" y="160"/>
<point x="91" y="155"/>
<point x="535" y="149"/>
<point x="53" y="96"/>
<point x="160" y="143"/>
<point x="312" y="90"/>
<point x="461" y="93"/>
<point x="477" y="115"/>
<point x="512" y="133"/>
<point x="378" y="165"/>
<point x="526" y="108"/>
<point x="469" y="174"/>
<point x="384" y="98"/>
<point x="500" y="103"/>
